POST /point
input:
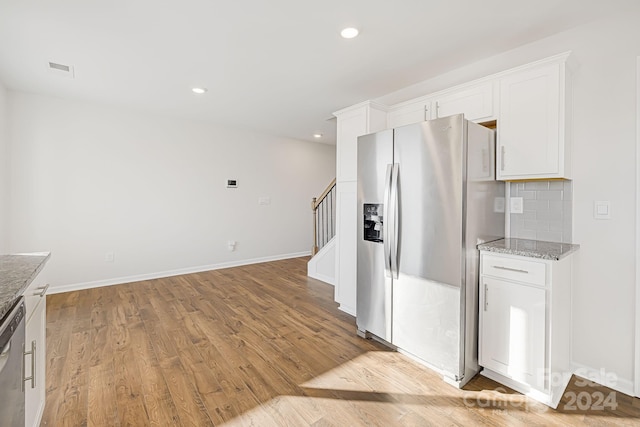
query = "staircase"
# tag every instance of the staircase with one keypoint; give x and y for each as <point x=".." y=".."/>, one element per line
<point x="322" y="264"/>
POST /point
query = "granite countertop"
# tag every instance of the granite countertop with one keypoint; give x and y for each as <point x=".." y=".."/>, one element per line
<point x="530" y="248"/>
<point x="16" y="274"/>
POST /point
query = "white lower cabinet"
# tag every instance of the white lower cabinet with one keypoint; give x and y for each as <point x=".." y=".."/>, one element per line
<point x="513" y="331"/>
<point x="35" y="349"/>
<point x="524" y="325"/>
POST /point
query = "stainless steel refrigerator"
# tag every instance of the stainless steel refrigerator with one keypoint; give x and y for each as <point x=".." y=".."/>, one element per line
<point x="427" y="195"/>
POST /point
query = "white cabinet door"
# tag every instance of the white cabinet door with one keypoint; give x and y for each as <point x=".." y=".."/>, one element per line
<point x="512" y="330"/>
<point x="408" y="114"/>
<point x="350" y="127"/>
<point x="354" y="122"/>
<point x="475" y="103"/>
<point x="531" y="126"/>
<point x="35" y="364"/>
<point x="346" y="246"/>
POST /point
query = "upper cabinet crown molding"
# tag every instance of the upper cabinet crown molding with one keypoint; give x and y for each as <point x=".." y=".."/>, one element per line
<point x="360" y="106"/>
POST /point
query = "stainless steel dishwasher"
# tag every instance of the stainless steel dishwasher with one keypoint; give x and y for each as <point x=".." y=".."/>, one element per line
<point x="12" y="336"/>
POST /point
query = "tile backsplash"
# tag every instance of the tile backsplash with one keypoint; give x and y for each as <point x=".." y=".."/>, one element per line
<point x="547" y="210"/>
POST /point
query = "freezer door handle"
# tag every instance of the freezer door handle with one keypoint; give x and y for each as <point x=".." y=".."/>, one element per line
<point x="393" y="209"/>
<point x="386" y="240"/>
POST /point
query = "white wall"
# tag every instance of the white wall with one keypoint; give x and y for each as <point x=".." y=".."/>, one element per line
<point x="89" y="179"/>
<point x="4" y="172"/>
<point x="604" y="141"/>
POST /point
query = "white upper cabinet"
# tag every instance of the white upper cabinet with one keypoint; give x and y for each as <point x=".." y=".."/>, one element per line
<point x="533" y="140"/>
<point x="408" y="114"/>
<point x="476" y="103"/>
<point x="353" y="122"/>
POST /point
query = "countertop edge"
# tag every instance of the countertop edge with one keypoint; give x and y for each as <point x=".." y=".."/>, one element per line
<point x="530" y="253"/>
<point x="7" y="305"/>
<point x="38" y="269"/>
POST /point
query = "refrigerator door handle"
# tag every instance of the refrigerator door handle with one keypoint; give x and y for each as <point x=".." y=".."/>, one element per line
<point x="386" y="225"/>
<point x="393" y="199"/>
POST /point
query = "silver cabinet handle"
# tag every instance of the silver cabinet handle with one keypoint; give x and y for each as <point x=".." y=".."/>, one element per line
<point x="502" y="155"/>
<point x="43" y="291"/>
<point x="510" y="269"/>
<point x="486" y="292"/>
<point x="32" y="378"/>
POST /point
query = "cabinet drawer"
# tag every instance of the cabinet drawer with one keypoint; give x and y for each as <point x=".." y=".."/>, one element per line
<point x="35" y="294"/>
<point x="514" y="269"/>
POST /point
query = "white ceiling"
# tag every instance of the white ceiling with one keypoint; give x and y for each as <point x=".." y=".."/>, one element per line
<point x="275" y="66"/>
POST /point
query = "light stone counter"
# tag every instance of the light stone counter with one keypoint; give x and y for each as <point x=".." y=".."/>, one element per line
<point x="530" y="248"/>
<point x="16" y="274"/>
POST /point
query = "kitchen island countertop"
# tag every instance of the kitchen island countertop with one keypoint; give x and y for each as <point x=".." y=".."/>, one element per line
<point x="16" y="274"/>
<point x="530" y="248"/>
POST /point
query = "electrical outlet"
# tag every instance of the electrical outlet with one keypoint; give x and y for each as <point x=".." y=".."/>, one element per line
<point x="109" y="257"/>
<point x="516" y="205"/>
<point x="264" y="200"/>
<point x="231" y="244"/>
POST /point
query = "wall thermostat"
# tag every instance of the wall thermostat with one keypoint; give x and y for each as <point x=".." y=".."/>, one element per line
<point x="232" y="183"/>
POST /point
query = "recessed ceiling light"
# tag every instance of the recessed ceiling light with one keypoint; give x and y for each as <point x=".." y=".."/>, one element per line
<point x="317" y="135"/>
<point x="349" y="33"/>
<point x="199" y="90"/>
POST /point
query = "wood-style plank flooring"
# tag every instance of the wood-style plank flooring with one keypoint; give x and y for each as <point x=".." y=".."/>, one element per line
<point x="260" y="345"/>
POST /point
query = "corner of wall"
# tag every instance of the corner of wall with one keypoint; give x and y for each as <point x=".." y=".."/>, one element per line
<point x="4" y="171"/>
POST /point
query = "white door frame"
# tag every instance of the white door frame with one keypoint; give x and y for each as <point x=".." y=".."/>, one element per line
<point x="637" y="263"/>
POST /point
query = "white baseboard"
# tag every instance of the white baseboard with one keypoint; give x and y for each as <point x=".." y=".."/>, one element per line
<point x="603" y="377"/>
<point x="347" y="310"/>
<point x="326" y="279"/>
<point x="170" y="273"/>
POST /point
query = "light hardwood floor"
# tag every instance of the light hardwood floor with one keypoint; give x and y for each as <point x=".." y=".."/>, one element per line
<point x="260" y="345"/>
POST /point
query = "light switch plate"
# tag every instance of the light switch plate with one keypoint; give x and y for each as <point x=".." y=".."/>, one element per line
<point x="602" y="209"/>
<point x="516" y="205"/>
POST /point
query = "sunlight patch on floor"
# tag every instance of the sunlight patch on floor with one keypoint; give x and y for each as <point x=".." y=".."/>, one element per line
<point x="375" y="371"/>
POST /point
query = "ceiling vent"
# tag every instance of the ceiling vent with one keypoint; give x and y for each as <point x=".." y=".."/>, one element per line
<point x="61" y="69"/>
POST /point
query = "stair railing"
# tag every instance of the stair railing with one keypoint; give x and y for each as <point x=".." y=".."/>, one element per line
<point x="324" y="217"/>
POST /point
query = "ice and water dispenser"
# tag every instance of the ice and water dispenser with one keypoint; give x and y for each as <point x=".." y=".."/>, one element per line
<point x="373" y="222"/>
